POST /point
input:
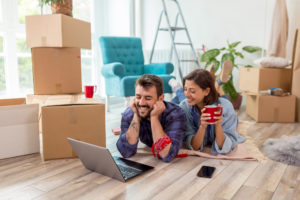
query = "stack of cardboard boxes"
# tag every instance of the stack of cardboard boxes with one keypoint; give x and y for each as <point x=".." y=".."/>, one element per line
<point x="55" y="42"/>
<point x="268" y="108"/>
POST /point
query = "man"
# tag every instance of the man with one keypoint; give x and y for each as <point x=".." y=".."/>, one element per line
<point x="156" y="123"/>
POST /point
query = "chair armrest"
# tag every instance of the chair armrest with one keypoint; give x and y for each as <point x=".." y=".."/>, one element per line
<point x="113" y="69"/>
<point x="159" y="68"/>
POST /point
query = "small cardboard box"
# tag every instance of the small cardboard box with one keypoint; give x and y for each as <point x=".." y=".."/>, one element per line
<point x="85" y="122"/>
<point x="256" y="79"/>
<point x="47" y="100"/>
<point x="296" y="73"/>
<point x="266" y="108"/>
<point x="19" y="128"/>
<point x="57" y="30"/>
<point x="56" y="70"/>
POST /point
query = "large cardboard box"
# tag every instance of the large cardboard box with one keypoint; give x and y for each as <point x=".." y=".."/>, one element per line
<point x="85" y="122"/>
<point x="19" y="131"/>
<point x="296" y="74"/>
<point x="256" y="79"/>
<point x="267" y="108"/>
<point x="56" y="70"/>
<point x="57" y="30"/>
<point x="47" y="100"/>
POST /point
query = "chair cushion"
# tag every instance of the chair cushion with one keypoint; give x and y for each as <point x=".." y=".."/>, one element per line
<point x="126" y="50"/>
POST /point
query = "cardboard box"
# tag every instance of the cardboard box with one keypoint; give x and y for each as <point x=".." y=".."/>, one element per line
<point x="19" y="128"/>
<point x="266" y="108"/>
<point x="85" y="122"/>
<point x="296" y="73"/>
<point x="47" y="100"/>
<point x="57" y="30"/>
<point x="256" y="79"/>
<point x="56" y="70"/>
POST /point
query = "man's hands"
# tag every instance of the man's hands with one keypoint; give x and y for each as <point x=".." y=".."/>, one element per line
<point x="158" y="108"/>
<point x="133" y="106"/>
<point x="133" y="132"/>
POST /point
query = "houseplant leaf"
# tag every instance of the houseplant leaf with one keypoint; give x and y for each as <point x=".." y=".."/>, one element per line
<point x="210" y="54"/>
<point x="227" y="56"/>
<point x="251" y="49"/>
<point x="234" y="44"/>
<point x="229" y="89"/>
<point x="239" y="54"/>
<point x="214" y="62"/>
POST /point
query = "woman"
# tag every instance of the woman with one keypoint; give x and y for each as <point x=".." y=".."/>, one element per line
<point x="198" y="91"/>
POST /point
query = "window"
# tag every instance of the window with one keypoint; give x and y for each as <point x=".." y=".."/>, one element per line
<point x="1" y="19"/>
<point x="15" y="58"/>
<point x="86" y="66"/>
<point x="27" y="7"/>
<point x="24" y="66"/>
<point x="82" y="9"/>
<point x="2" y="72"/>
<point x="1" y="45"/>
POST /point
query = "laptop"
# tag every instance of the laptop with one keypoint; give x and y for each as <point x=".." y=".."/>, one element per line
<point x="99" y="159"/>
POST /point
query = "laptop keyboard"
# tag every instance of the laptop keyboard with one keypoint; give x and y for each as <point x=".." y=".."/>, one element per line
<point x="128" y="171"/>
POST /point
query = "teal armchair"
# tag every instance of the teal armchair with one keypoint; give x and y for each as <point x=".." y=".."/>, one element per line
<point x="123" y="64"/>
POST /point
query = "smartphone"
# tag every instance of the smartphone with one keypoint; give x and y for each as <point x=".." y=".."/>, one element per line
<point x="206" y="171"/>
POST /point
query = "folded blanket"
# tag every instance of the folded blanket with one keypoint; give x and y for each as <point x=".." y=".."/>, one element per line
<point x="239" y="153"/>
<point x="244" y="151"/>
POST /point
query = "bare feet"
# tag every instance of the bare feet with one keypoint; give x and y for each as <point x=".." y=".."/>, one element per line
<point x="226" y="69"/>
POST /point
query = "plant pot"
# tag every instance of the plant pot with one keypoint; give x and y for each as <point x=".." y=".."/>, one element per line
<point x="237" y="102"/>
<point x="62" y="8"/>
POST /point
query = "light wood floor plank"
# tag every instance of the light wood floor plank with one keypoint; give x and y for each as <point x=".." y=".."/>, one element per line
<point x="289" y="186"/>
<point x="193" y="183"/>
<point x="6" y="162"/>
<point x="26" y="193"/>
<point x="228" y="182"/>
<point x="252" y="193"/>
<point x="152" y="185"/>
<point x="34" y="174"/>
<point x="76" y="171"/>
<point x="267" y="175"/>
<point x="77" y="188"/>
<point x="19" y="166"/>
<point x="28" y="177"/>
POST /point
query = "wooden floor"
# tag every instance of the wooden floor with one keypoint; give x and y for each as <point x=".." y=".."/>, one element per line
<point x="28" y="177"/>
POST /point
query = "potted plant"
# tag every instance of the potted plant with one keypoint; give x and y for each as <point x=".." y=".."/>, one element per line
<point x="59" y="6"/>
<point x="213" y="56"/>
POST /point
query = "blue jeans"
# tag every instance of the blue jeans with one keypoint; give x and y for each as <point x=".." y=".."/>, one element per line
<point x="180" y="96"/>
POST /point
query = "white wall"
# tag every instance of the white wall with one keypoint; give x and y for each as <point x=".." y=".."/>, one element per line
<point x="213" y="22"/>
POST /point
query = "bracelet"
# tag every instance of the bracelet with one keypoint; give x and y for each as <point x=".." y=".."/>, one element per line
<point x="160" y="145"/>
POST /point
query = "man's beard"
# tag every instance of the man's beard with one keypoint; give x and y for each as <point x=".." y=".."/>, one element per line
<point x="147" y="116"/>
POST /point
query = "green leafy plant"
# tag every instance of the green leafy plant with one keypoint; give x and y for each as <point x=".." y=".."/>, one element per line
<point x="48" y="2"/>
<point x="217" y="57"/>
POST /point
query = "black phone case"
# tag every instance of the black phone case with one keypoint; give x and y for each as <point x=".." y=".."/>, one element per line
<point x="206" y="171"/>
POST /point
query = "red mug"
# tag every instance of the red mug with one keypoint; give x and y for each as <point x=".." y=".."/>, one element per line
<point x="90" y="90"/>
<point x="211" y="109"/>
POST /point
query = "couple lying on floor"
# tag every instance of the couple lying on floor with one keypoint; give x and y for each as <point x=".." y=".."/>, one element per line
<point x="166" y="126"/>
